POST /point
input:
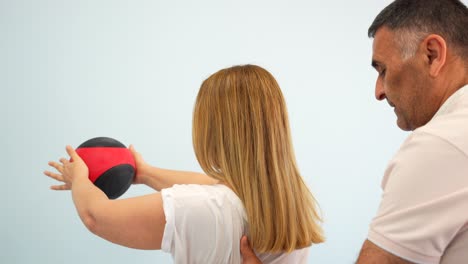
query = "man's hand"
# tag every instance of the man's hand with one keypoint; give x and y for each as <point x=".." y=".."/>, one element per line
<point x="248" y="255"/>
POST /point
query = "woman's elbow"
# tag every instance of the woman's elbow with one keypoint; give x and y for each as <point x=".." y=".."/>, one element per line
<point x="89" y="220"/>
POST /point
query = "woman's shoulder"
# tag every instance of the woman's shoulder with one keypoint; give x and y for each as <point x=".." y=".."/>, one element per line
<point x="299" y="256"/>
<point x="196" y="195"/>
<point x="195" y="190"/>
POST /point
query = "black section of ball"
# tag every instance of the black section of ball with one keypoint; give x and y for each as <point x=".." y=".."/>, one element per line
<point x="101" y="142"/>
<point x="116" y="181"/>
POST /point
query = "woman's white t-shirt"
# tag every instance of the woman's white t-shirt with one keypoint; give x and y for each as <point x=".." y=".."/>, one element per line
<point x="204" y="224"/>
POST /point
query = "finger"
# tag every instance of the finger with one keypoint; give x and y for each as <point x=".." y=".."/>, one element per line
<point x="132" y="150"/>
<point x="248" y="255"/>
<point x="56" y="165"/>
<point x="72" y="153"/>
<point x="63" y="187"/>
<point x="135" y="154"/>
<point x="54" y="176"/>
<point x="64" y="161"/>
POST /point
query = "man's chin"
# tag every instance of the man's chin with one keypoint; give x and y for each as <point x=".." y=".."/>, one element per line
<point x="403" y="125"/>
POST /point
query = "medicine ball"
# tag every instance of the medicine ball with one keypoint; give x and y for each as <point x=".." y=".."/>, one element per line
<point x="111" y="165"/>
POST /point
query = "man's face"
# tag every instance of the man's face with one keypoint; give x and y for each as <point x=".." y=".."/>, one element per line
<point x="403" y="83"/>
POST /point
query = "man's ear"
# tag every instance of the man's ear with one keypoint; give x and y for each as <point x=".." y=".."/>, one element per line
<point x="435" y="50"/>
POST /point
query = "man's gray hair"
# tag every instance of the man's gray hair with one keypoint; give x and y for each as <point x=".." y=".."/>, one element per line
<point x="413" y="20"/>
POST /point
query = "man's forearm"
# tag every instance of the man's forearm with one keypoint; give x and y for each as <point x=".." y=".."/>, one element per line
<point x="372" y="254"/>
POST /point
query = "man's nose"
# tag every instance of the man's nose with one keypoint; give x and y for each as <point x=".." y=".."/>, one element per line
<point x="379" y="90"/>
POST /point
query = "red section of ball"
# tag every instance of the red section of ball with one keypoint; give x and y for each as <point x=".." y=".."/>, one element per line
<point x="101" y="159"/>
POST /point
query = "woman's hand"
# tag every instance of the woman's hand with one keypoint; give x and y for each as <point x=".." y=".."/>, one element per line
<point x="142" y="168"/>
<point x="69" y="171"/>
<point x="158" y="178"/>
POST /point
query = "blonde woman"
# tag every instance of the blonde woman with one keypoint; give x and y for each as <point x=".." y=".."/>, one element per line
<point x="252" y="185"/>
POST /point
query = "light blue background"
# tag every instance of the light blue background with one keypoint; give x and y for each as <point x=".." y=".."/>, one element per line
<point x="73" y="70"/>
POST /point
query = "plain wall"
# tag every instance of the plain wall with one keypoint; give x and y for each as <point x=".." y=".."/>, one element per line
<point x="73" y="70"/>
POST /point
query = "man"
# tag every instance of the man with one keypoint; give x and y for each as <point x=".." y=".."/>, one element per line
<point x="420" y="52"/>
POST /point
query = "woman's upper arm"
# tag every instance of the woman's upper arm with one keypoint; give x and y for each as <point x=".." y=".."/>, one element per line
<point x="134" y="222"/>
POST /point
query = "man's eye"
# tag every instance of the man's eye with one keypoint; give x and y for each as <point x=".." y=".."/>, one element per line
<point x="382" y="73"/>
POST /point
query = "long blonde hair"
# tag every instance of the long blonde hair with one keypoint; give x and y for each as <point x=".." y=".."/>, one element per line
<point x="241" y="137"/>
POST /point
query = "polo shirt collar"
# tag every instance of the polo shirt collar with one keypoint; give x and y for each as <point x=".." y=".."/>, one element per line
<point x="451" y="102"/>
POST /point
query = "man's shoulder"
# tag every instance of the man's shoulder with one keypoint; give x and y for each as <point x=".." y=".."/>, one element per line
<point x="428" y="159"/>
<point x="451" y="128"/>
